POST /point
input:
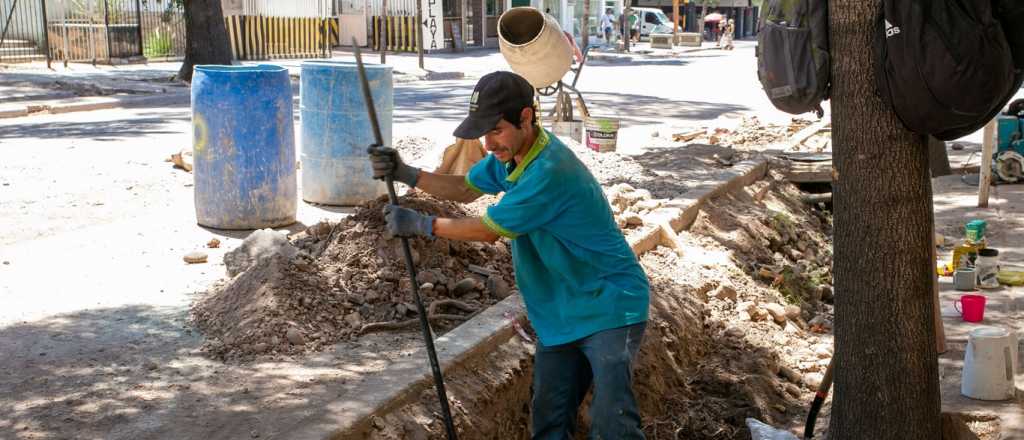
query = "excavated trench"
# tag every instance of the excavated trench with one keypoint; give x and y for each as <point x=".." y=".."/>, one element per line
<point x="740" y="327"/>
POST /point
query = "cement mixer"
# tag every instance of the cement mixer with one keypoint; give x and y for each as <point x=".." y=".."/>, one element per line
<point x="537" y="49"/>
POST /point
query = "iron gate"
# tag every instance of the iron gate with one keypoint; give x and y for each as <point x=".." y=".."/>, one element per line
<point x="22" y="31"/>
<point x="94" y="30"/>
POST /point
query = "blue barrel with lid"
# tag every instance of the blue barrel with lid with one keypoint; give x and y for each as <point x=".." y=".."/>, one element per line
<point x="336" y="131"/>
<point x="243" y="143"/>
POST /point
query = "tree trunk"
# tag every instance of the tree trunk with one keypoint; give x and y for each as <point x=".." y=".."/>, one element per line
<point x="886" y="381"/>
<point x="206" y="38"/>
<point x="585" y="25"/>
<point x="700" y="21"/>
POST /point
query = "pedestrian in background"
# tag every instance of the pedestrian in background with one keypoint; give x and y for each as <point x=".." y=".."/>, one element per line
<point x="607" y="23"/>
<point x="727" y="35"/>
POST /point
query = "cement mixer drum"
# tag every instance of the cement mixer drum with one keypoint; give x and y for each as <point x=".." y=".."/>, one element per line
<point x="534" y="46"/>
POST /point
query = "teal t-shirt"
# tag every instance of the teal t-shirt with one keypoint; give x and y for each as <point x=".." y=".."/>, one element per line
<point x="576" y="273"/>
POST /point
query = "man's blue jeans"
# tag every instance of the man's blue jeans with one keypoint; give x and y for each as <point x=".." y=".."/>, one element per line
<point x="562" y="374"/>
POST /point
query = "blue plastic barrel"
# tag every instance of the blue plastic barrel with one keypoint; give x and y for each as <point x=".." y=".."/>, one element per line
<point x="336" y="131"/>
<point x="243" y="142"/>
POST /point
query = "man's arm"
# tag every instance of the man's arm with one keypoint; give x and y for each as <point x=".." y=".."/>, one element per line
<point x="447" y="186"/>
<point x="464" y="229"/>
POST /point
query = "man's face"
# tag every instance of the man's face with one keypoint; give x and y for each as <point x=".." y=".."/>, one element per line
<point x="505" y="140"/>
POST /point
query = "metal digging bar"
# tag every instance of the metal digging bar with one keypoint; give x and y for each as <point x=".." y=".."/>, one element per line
<point x="449" y="426"/>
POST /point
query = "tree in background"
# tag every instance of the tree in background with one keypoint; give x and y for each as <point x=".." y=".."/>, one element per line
<point x="206" y="38"/>
<point x="886" y="380"/>
<point x="585" y="25"/>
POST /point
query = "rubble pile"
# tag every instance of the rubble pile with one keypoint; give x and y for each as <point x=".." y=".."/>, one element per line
<point x="751" y="133"/>
<point x="337" y="281"/>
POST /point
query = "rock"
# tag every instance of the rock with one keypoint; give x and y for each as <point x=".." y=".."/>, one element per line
<point x="777" y="311"/>
<point x="822" y="351"/>
<point x="726" y="292"/>
<point x="791" y="329"/>
<point x="464" y="286"/>
<point x="734" y="332"/>
<point x="378" y="422"/>
<point x="793" y="312"/>
<point x="427" y="276"/>
<point x="632" y="218"/>
<point x="793" y="390"/>
<point x="258" y="246"/>
<point x="195" y="257"/>
<point x="497" y="287"/>
<point x="957" y="146"/>
<point x="401" y="310"/>
<point x="371" y="296"/>
<point x="259" y="347"/>
<point x="620" y="222"/>
<point x="354" y="320"/>
<point x="648" y="205"/>
<point x="294" y="336"/>
<point x="790" y="374"/>
<point x="150" y="365"/>
<point x="812" y="380"/>
<point x="213" y="243"/>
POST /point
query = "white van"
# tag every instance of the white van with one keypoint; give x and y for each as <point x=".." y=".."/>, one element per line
<point x="654" y="21"/>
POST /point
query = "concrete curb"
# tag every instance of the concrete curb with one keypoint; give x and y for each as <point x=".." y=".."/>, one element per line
<point x="85" y="104"/>
<point x="405" y="380"/>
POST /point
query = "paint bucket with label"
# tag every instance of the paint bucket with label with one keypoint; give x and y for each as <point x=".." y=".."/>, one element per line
<point x="602" y="134"/>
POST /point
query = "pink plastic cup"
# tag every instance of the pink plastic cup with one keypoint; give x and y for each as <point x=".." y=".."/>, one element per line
<point x="973" y="307"/>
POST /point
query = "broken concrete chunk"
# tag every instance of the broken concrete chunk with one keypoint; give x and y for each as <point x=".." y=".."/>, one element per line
<point x="777" y="311"/>
<point x="632" y="218"/>
<point x="725" y="292"/>
<point x="792" y="312"/>
<point x="213" y="243"/>
<point x="195" y="257"/>
<point x="258" y="246"/>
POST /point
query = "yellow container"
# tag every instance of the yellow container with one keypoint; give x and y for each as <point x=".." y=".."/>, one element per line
<point x="966" y="250"/>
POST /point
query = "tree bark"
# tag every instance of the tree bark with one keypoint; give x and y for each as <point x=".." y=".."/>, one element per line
<point x="206" y="38"/>
<point x="887" y="377"/>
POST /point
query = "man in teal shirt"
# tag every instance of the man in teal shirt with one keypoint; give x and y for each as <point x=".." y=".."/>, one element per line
<point x="585" y="293"/>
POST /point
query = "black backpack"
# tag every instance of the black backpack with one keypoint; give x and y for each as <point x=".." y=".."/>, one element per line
<point x="944" y="66"/>
<point x="792" y="54"/>
<point x="1011" y="15"/>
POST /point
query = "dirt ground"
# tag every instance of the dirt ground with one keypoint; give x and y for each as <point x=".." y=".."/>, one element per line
<point x="713" y="355"/>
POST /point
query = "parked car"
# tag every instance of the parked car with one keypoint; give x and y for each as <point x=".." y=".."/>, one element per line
<point x="654" y="21"/>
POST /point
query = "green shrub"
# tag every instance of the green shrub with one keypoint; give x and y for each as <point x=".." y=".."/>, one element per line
<point x="158" y="45"/>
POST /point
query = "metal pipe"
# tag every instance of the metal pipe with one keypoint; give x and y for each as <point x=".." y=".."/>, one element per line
<point x="435" y="367"/>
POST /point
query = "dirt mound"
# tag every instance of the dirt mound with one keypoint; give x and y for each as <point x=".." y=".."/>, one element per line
<point x="348" y="279"/>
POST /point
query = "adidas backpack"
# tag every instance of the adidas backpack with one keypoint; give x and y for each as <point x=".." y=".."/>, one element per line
<point x="944" y="66"/>
<point x="792" y="54"/>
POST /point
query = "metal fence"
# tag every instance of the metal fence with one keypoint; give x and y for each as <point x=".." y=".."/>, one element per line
<point x="163" y="29"/>
<point x="22" y="30"/>
<point x="93" y="30"/>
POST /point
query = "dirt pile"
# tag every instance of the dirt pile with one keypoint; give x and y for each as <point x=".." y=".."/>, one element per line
<point x="752" y="134"/>
<point x="348" y="279"/>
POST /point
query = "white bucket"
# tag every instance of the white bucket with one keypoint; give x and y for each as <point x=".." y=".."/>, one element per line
<point x="602" y="134"/>
<point x="534" y="46"/>
<point x="990" y="364"/>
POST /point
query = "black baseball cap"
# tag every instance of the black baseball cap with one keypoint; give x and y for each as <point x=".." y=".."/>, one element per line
<point x="494" y="95"/>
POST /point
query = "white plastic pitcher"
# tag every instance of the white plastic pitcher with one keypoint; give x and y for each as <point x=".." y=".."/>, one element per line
<point x="990" y="364"/>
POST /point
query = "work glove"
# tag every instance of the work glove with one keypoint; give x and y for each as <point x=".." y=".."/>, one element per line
<point x="386" y="161"/>
<point x="405" y="222"/>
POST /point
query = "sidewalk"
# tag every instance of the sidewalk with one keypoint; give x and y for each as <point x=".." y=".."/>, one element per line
<point x="955" y="204"/>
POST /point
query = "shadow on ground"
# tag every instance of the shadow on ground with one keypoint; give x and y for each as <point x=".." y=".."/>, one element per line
<point x="136" y="372"/>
